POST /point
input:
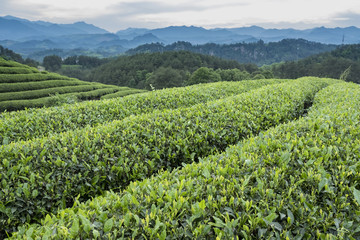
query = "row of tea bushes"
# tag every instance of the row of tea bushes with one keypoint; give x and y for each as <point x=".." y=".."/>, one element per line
<point x="17" y="70"/>
<point x="123" y="93"/>
<point x="88" y="92"/>
<point x="13" y="88"/>
<point x="33" y="77"/>
<point x="69" y="87"/>
<point x="17" y="80"/>
<point x="299" y="180"/>
<point x="8" y="63"/>
<point x="34" y="123"/>
<point x="42" y="175"/>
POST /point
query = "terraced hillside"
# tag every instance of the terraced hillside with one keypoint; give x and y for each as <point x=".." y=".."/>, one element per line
<point x="26" y="87"/>
<point x="269" y="159"/>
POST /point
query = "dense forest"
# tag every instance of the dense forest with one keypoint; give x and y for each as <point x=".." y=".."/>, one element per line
<point x="167" y="69"/>
<point x="343" y="62"/>
<point x="259" y="53"/>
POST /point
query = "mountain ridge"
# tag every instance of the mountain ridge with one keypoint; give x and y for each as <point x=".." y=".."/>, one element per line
<point x="18" y="34"/>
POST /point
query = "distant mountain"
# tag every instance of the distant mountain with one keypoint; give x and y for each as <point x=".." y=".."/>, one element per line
<point x="198" y="35"/>
<point x="259" y="53"/>
<point x="13" y="28"/>
<point x="131" y="33"/>
<point x="337" y="35"/>
<point x="195" y="35"/>
<point x="34" y="38"/>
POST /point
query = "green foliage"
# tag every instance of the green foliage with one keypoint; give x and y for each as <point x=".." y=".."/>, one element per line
<point x="333" y="64"/>
<point x="19" y="82"/>
<point x="258" y="53"/>
<point x="86" y="162"/>
<point x="123" y="93"/>
<point x="52" y="63"/>
<point x="17" y="70"/>
<point x="97" y="93"/>
<point x="234" y="75"/>
<point x="288" y="182"/>
<point x="165" y="77"/>
<point x="58" y="99"/>
<point x="132" y="71"/>
<point x="204" y="75"/>
<point x="68" y="88"/>
<point x="37" y="85"/>
<point x="85" y="61"/>
<point x="14" y="78"/>
<point x="33" y="123"/>
<point x="10" y="55"/>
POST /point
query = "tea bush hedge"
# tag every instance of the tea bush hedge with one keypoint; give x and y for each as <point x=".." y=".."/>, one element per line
<point x="299" y="180"/>
<point x="34" y="123"/>
<point x="42" y="175"/>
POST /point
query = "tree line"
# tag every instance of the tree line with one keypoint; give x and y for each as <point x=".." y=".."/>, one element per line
<point x="8" y="54"/>
<point x="167" y="69"/>
<point x="259" y="53"/>
<point x="343" y="62"/>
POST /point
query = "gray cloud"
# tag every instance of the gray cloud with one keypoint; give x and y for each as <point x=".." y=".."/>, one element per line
<point x="154" y="7"/>
<point x="346" y="19"/>
<point x="10" y="7"/>
<point x="135" y="13"/>
<point x="160" y="13"/>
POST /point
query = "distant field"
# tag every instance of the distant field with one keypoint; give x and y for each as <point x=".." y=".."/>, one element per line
<point x="23" y="87"/>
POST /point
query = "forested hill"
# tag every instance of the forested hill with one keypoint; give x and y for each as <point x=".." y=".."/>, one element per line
<point x="135" y="70"/>
<point x="259" y="53"/>
<point x="8" y="54"/>
<point x="343" y="62"/>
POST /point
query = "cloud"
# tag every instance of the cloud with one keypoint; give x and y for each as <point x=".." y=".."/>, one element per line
<point x="345" y="19"/>
<point x="157" y="7"/>
<point x="155" y="14"/>
<point x="114" y="15"/>
<point x="15" y="8"/>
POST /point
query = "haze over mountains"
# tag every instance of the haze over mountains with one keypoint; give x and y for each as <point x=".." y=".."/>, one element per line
<point x="31" y="37"/>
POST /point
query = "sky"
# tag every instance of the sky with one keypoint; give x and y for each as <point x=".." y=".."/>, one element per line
<point x="114" y="15"/>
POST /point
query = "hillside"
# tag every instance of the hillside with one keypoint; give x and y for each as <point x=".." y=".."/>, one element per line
<point x="332" y="64"/>
<point x="249" y="159"/>
<point x="8" y="54"/>
<point x="22" y="87"/>
<point x="171" y="68"/>
<point x="259" y="53"/>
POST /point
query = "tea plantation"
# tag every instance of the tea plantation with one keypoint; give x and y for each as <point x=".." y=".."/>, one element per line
<point x="23" y="87"/>
<point x="259" y="159"/>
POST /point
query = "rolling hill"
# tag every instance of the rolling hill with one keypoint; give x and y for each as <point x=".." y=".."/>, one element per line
<point x="171" y="69"/>
<point x="22" y="87"/>
<point x="261" y="159"/>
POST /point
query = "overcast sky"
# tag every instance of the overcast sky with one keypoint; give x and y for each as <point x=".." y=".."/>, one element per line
<point x="114" y="15"/>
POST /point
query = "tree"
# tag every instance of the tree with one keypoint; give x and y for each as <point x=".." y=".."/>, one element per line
<point x="233" y="74"/>
<point x="52" y="63"/>
<point x="165" y="77"/>
<point x="71" y="60"/>
<point x="204" y="75"/>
